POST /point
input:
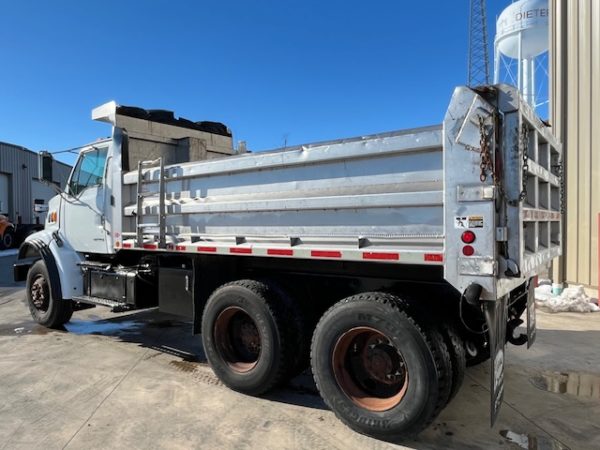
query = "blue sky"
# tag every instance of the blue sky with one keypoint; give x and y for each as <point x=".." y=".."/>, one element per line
<point x="302" y="70"/>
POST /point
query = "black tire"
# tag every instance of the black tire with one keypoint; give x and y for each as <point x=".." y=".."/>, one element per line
<point x="245" y="336"/>
<point x="8" y="239"/>
<point x="458" y="356"/>
<point x="417" y="367"/>
<point x="299" y="341"/>
<point x="45" y="309"/>
<point x="294" y="322"/>
<point x="479" y="353"/>
<point x="444" y="364"/>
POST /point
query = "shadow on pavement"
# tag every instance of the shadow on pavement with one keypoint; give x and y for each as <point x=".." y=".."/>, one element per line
<point x="168" y="335"/>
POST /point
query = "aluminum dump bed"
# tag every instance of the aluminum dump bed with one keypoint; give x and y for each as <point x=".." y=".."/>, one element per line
<point x="403" y="197"/>
<point x="375" y="193"/>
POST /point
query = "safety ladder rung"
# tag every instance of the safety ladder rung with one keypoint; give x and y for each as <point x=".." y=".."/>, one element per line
<point x="150" y="162"/>
<point x="161" y="199"/>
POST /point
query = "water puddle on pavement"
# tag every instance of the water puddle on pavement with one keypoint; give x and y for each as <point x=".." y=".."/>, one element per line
<point x="95" y="326"/>
<point x="532" y="442"/>
<point x="572" y="383"/>
<point x="103" y="327"/>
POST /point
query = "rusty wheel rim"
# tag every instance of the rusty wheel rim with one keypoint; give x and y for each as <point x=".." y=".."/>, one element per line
<point x="237" y="339"/>
<point x="369" y="369"/>
<point x="40" y="294"/>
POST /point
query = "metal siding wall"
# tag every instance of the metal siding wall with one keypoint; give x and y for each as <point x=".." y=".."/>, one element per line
<point x="5" y="193"/>
<point x="13" y="159"/>
<point x="583" y="127"/>
<point x="575" y="109"/>
<point x="555" y="67"/>
<point x="22" y="164"/>
<point x="60" y="173"/>
<point x="595" y="137"/>
<point x="572" y="143"/>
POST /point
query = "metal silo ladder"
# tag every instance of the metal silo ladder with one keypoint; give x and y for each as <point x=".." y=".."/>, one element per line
<point x="161" y="204"/>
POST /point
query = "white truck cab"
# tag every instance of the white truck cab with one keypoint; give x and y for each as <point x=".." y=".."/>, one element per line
<point x="86" y="203"/>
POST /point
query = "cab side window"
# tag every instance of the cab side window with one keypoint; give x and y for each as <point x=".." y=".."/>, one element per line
<point x="89" y="170"/>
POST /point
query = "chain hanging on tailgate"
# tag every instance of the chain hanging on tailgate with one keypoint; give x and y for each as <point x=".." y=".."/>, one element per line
<point x="562" y="188"/>
<point x="523" y="147"/>
<point x="486" y="157"/>
<point x="560" y="173"/>
<point x="561" y="176"/>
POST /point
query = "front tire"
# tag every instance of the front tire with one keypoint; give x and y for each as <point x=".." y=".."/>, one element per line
<point x="378" y="371"/>
<point x="8" y="239"/>
<point x="45" y="309"/>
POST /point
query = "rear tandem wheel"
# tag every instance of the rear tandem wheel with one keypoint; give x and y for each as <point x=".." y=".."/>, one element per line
<point x="381" y="373"/>
<point x="248" y="338"/>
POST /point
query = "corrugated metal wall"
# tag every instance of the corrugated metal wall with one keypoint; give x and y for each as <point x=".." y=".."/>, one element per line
<point x="575" y="115"/>
<point x="22" y="166"/>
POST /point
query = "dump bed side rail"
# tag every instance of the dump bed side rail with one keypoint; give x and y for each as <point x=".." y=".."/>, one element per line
<point x="373" y="198"/>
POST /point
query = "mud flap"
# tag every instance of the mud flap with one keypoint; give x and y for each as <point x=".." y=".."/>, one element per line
<point x="531" y="328"/>
<point x="496" y="316"/>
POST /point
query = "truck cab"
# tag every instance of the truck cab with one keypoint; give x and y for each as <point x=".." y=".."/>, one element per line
<point x="86" y="202"/>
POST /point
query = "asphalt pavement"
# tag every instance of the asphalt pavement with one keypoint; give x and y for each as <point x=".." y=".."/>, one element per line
<point x="140" y="380"/>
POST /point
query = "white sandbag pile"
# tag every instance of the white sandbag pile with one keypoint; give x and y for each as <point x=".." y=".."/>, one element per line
<point x="572" y="299"/>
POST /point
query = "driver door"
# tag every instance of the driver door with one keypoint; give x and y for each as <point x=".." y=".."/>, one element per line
<point x="84" y="205"/>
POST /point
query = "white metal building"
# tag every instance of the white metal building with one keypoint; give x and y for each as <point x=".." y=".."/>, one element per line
<point x="575" y="116"/>
<point x="20" y="189"/>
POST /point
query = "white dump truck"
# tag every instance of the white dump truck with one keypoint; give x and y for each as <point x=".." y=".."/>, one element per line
<point x="385" y="263"/>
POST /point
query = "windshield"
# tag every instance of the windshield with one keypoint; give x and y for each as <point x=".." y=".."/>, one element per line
<point x="89" y="170"/>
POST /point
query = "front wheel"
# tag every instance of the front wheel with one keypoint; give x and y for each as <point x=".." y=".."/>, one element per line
<point x="45" y="309"/>
<point x="8" y="239"/>
<point x="378" y="371"/>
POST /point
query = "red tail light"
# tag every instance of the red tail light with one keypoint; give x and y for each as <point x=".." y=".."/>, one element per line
<point x="468" y="237"/>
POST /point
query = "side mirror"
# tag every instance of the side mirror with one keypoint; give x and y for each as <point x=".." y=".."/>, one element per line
<point x="45" y="160"/>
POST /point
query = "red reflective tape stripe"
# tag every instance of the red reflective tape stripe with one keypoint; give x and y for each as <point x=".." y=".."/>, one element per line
<point x="326" y="254"/>
<point x="180" y="247"/>
<point x="207" y="249"/>
<point x="280" y="251"/>
<point x="438" y="257"/>
<point x="243" y="250"/>
<point x="126" y="245"/>
<point x="378" y="255"/>
<point x="150" y="246"/>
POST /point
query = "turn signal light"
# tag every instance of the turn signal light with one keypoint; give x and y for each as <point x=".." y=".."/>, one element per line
<point x="468" y="237"/>
<point x="468" y="250"/>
